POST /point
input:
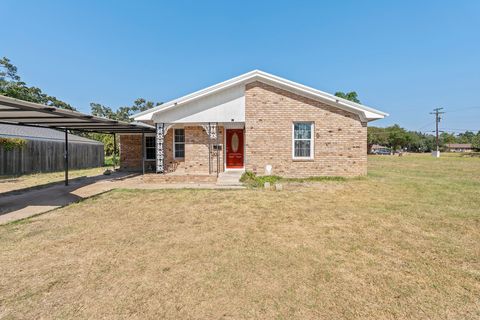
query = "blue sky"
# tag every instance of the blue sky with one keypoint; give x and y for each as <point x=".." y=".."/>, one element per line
<point x="402" y="57"/>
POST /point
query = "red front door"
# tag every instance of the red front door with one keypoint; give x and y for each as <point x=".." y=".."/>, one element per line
<point x="234" y="148"/>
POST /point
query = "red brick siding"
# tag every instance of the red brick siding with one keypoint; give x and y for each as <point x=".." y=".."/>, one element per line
<point x="131" y="152"/>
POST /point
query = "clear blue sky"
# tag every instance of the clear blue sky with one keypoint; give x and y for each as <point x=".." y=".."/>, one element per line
<point x="402" y="57"/>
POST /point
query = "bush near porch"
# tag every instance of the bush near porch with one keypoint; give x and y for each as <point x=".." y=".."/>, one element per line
<point x="250" y="179"/>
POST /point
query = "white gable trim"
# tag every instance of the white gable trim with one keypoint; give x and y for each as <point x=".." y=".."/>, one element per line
<point x="365" y="113"/>
<point x="222" y="106"/>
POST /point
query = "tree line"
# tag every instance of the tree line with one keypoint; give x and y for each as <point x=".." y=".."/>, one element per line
<point x="398" y="138"/>
<point x="121" y="114"/>
<point x="394" y="137"/>
<point x="11" y="85"/>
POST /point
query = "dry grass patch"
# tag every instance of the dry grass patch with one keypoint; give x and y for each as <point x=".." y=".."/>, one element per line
<point x="401" y="244"/>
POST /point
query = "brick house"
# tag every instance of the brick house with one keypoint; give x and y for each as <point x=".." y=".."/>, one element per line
<point x="458" y="147"/>
<point x="257" y="122"/>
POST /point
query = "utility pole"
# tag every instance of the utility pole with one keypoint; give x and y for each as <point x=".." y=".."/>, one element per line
<point x="437" y="114"/>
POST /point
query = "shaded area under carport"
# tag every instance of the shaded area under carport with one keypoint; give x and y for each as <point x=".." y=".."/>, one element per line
<point x="20" y="204"/>
<point x="24" y="113"/>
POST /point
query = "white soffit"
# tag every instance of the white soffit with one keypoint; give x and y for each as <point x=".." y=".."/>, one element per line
<point x="223" y="106"/>
<point x="366" y="113"/>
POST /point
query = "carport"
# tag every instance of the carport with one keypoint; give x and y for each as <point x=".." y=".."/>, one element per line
<point x="24" y="113"/>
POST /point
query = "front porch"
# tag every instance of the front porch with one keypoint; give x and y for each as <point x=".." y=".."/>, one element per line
<point x="224" y="179"/>
<point x="200" y="149"/>
<point x="176" y="177"/>
<point x="185" y="149"/>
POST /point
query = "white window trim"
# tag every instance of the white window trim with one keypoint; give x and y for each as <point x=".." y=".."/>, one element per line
<point x="312" y="140"/>
<point x="174" y="157"/>
<point x="145" y="146"/>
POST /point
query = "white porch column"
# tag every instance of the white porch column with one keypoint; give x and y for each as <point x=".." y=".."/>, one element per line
<point x="212" y="131"/>
<point x="160" y="165"/>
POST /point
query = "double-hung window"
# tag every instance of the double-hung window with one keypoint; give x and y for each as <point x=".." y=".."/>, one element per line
<point x="302" y="140"/>
<point x="150" y="148"/>
<point x="179" y="143"/>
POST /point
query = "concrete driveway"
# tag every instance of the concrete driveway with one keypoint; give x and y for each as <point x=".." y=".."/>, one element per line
<point x="20" y="204"/>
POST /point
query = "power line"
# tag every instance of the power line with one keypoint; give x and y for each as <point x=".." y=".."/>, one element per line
<point x="425" y="125"/>
<point x="463" y="109"/>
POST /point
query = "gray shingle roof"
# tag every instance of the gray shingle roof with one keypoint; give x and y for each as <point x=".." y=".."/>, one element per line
<point x="37" y="133"/>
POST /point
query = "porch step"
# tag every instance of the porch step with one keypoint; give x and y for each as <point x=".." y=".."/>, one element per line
<point x="230" y="178"/>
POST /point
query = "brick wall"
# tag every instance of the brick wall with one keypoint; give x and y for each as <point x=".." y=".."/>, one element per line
<point x="340" y="138"/>
<point x="196" y="152"/>
<point x="131" y="152"/>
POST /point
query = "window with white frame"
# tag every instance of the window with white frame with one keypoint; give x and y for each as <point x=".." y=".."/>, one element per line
<point x="302" y="140"/>
<point x="179" y="143"/>
<point x="150" y="148"/>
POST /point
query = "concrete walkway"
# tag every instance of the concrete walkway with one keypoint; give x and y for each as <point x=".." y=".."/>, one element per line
<point x="230" y="178"/>
<point x="22" y="204"/>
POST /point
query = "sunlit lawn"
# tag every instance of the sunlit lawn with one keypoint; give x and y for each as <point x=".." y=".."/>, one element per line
<point x="403" y="243"/>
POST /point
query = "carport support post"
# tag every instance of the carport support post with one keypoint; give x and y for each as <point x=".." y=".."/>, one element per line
<point x="209" y="148"/>
<point x="143" y="152"/>
<point x="218" y="152"/>
<point x="114" y="151"/>
<point x="66" y="157"/>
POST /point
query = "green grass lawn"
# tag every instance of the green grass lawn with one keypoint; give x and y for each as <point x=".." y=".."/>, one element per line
<point x="403" y="243"/>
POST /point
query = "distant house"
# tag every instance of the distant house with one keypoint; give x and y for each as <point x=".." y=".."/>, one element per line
<point x="459" y="147"/>
<point x="44" y="150"/>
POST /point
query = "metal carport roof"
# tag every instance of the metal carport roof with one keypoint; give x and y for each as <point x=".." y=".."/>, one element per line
<point x="14" y="111"/>
<point x="41" y="133"/>
<point x="24" y="113"/>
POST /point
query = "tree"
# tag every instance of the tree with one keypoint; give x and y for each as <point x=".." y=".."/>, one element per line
<point x="100" y="110"/>
<point x="446" y="137"/>
<point x="121" y="114"/>
<point x="397" y="137"/>
<point x="376" y="135"/>
<point x="420" y="142"/>
<point x="11" y="85"/>
<point x="466" y="137"/>
<point x="352" y="96"/>
<point x="476" y="141"/>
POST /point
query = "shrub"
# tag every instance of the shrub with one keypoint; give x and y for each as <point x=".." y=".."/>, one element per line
<point x="317" y="179"/>
<point x="252" y="180"/>
<point x="12" y="143"/>
<point x="110" y="161"/>
<point x="247" y="176"/>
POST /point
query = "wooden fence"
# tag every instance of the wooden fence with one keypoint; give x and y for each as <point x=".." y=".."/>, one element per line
<point x="48" y="156"/>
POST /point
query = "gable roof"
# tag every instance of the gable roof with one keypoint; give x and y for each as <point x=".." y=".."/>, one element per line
<point x="366" y="113"/>
<point x="39" y="133"/>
